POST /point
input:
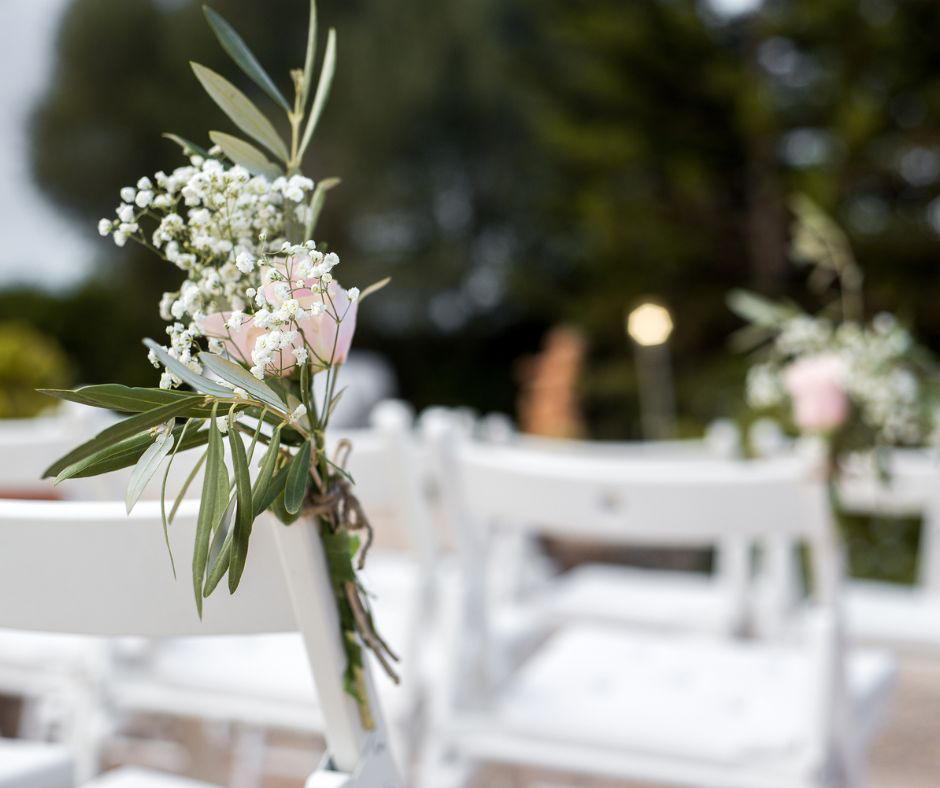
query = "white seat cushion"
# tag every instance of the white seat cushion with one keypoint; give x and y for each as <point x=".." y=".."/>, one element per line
<point x="893" y="614"/>
<point x="655" y="598"/>
<point x="34" y="765"/>
<point x="259" y="679"/>
<point x="672" y="696"/>
<point x="143" y="778"/>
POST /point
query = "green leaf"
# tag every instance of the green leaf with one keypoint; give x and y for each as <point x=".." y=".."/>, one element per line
<point x="189" y="480"/>
<point x="239" y="52"/>
<point x="757" y="309"/>
<point x="238" y="376"/>
<point x="147" y="466"/>
<point x="124" y="398"/>
<point x="189" y="148"/>
<point x="245" y="154"/>
<point x="374" y="288"/>
<point x="310" y="56"/>
<point x="298" y="475"/>
<point x="221" y="550"/>
<point x="130" y="453"/>
<point x="259" y="491"/>
<point x="245" y="514"/>
<point x="67" y="466"/>
<point x="211" y="508"/>
<point x="240" y="110"/>
<point x="166" y="475"/>
<point x="220" y="564"/>
<point x="185" y="374"/>
<point x="316" y="204"/>
<point x="268" y="495"/>
<point x="323" y="90"/>
<point x="281" y="512"/>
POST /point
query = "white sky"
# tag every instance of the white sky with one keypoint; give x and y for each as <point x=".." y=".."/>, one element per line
<point x="37" y="244"/>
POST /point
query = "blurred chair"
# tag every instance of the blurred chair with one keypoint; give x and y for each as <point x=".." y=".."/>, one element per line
<point x="658" y="598"/>
<point x="664" y="707"/>
<point x="89" y="567"/>
<point x="35" y="765"/>
<point x="889" y="613"/>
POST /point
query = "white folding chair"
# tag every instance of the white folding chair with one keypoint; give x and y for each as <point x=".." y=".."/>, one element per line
<point x="880" y="612"/>
<point x="87" y="567"/>
<point x="670" y="707"/>
<point x="226" y="680"/>
<point x="607" y="593"/>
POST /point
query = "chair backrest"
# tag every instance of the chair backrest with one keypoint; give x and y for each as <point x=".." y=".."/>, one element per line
<point x="911" y="488"/>
<point x="29" y="446"/>
<point x="88" y="567"/>
<point x="633" y="500"/>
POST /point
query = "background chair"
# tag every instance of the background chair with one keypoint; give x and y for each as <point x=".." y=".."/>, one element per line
<point x="662" y="706"/>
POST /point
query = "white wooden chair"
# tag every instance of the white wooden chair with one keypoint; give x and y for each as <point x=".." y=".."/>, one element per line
<point x="607" y="593"/>
<point x="670" y="707"/>
<point x="879" y="612"/>
<point x="87" y="567"/>
<point x="222" y="679"/>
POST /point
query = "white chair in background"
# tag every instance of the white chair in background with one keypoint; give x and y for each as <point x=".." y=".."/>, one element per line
<point x="889" y="613"/>
<point x="87" y="567"/>
<point x="611" y="593"/>
<point x="673" y="707"/>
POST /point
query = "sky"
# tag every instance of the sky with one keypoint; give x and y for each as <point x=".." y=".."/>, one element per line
<point x="38" y="245"/>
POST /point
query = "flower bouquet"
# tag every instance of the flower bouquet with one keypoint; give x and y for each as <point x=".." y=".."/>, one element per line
<point x="861" y="385"/>
<point x="257" y="317"/>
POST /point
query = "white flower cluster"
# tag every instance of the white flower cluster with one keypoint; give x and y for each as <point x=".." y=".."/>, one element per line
<point x="215" y="222"/>
<point x="880" y="378"/>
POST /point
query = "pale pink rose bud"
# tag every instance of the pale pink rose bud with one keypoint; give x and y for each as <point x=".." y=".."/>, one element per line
<point x="815" y="384"/>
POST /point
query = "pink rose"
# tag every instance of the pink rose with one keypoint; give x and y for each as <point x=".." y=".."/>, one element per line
<point x="239" y="342"/>
<point x="320" y="331"/>
<point x="815" y="384"/>
<point x="326" y="341"/>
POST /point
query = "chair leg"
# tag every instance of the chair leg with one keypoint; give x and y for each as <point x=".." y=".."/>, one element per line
<point x="248" y="757"/>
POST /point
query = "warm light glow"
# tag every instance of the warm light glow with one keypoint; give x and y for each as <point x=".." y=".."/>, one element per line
<point x="649" y="324"/>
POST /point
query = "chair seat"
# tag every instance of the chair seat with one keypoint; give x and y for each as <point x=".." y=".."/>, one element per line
<point x="25" y="764"/>
<point x="677" y="697"/>
<point x="130" y="777"/>
<point x="893" y="614"/>
<point x="654" y="598"/>
<point x="259" y="679"/>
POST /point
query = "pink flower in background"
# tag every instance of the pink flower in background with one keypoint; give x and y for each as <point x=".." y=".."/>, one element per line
<point x="815" y="384"/>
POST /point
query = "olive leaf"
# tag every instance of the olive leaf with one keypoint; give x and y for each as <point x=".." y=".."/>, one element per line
<point x="212" y="507"/>
<point x="244" y="515"/>
<point x="316" y="203"/>
<point x="115" y="438"/>
<point x="245" y="154"/>
<point x="184" y="373"/>
<point x="240" y="110"/>
<point x="148" y="464"/>
<point x="323" y="91"/>
<point x="238" y="50"/>
<point x="298" y="475"/>
<point x="189" y="148"/>
<point x="311" y="54"/>
<point x="235" y="374"/>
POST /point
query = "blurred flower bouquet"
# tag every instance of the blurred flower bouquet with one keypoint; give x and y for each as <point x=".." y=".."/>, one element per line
<point x="257" y="317"/>
<point x="860" y="385"/>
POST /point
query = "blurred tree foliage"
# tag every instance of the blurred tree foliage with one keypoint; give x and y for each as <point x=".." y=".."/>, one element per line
<point x="513" y="163"/>
<point x="28" y="360"/>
